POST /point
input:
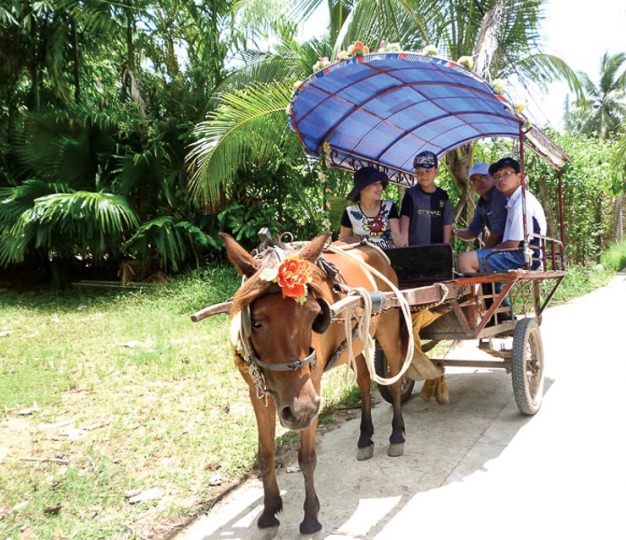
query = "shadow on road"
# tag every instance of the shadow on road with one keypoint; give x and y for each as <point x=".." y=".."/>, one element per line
<point x="445" y="445"/>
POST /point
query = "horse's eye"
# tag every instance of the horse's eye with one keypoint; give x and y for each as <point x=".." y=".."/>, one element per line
<point x="256" y="324"/>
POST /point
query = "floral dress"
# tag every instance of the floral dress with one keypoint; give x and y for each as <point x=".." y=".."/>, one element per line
<point x="373" y="229"/>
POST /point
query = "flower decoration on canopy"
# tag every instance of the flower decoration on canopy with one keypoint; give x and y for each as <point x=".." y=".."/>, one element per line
<point x="498" y="85"/>
<point x="356" y="49"/>
<point x="466" y="61"/>
<point x="292" y="276"/>
<point x="389" y="47"/>
<point x="430" y="50"/>
<point x="321" y="63"/>
<point x="519" y="108"/>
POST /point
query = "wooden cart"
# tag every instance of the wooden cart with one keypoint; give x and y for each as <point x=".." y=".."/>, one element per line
<point x="476" y="312"/>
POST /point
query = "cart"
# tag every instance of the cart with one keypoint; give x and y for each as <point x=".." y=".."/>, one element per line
<point x="382" y="109"/>
<point x="474" y="311"/>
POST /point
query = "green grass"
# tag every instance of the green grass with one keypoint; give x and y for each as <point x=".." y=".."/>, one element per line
<point x="148" y="398"/>
<point x="614" y="259"/>
<point x="580" y="280"/>
<point x="129" y="394"/>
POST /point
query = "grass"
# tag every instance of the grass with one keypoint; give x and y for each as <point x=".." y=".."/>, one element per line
<point x="614" y="259"/>
<point x="125" y="394"/>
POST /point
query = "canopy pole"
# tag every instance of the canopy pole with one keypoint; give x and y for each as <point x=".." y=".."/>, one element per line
<point x="523" y="172"/>
<point x="561" y="220"/>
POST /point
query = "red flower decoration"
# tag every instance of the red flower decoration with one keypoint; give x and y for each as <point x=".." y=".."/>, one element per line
<point x="293" y="275"/>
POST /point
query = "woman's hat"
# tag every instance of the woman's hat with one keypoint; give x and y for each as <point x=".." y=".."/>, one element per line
<point x="363" y="178"/>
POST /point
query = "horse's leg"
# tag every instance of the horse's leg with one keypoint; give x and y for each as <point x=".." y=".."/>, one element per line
<point x="365" y="445"/>
<point x="307" y="459"/>
<point x="266" y="427"/>
<point x="390" y="342"/>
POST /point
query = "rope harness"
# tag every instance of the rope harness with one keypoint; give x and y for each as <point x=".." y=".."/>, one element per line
<point x="373" y="304"/>
<point x="364" y="319"/>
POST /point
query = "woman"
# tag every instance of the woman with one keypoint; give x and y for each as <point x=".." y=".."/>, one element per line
<point x="370" y="218"/>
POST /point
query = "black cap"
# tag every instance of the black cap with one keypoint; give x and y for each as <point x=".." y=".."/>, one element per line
<point x="504" y="162"/>
<point x="363" y="178"/>
<point x="426" y="159"/>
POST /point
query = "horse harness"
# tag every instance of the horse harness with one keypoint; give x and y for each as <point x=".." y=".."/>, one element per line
<point x="320" y="325"/>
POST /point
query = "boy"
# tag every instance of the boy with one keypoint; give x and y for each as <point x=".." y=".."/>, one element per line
<point x="426" y="215"/>
<point x="426" y="218"/>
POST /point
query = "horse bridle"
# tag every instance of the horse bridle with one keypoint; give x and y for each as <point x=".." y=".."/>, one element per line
<point x="320" y="325"/>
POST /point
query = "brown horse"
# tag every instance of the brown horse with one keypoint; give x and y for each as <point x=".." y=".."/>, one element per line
<point x="283" y="343"/>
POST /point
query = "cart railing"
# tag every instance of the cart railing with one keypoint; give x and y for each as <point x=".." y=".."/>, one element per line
<point x="546" y="253"/>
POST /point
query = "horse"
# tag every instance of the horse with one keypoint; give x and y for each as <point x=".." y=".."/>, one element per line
<point x="283" y="343"/>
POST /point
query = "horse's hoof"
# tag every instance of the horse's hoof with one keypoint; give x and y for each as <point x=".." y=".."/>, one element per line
<point x="309" y="529"/>
<point x="367" y="452"/>
<point x="395" y="450"/>
<point x="319" y="535"/>
<point x="265" y="533"/>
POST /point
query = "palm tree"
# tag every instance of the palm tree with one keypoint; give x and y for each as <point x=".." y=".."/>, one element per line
<point x="248" y="126"/>
<point x="602" y="110"/>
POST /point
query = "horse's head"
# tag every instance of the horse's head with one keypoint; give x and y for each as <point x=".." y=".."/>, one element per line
<point x="280" y="307"/>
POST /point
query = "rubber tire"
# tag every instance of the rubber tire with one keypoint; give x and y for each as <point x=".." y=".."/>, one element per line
<point x="406" y="390"/>
<point x="527" y="366"/>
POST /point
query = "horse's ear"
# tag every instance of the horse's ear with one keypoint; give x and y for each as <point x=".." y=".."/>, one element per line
<point x="246" y="263"/>
<point x="312" y="250"/>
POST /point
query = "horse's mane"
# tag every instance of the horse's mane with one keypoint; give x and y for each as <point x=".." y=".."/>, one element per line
<point x="254" y="286"/>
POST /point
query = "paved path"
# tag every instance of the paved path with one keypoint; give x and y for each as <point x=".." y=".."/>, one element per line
<point x="477" y="468"/>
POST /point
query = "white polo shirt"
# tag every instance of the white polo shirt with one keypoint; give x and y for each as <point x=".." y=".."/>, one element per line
<point x="535" y="217"/>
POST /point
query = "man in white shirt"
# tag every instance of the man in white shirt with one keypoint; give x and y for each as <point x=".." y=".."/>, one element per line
<point x="507" y="175"/>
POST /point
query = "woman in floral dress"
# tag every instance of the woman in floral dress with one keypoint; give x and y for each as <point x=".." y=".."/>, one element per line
<point x="370" y="218"/>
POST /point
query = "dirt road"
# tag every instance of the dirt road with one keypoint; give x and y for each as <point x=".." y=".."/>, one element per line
<point x="477" y="467"/>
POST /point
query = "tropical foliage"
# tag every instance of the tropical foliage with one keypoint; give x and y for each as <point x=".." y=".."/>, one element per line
<point x="99" y="99"/>
<point x="501" y="36"/>
<point x="132" y="132"/>
<point x="602" y="109"/>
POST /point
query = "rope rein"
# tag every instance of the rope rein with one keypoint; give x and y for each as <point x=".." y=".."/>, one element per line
<point x="363" y="323"/>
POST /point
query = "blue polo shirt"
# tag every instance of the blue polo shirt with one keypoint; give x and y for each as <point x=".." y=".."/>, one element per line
<point x="490" y="213"/>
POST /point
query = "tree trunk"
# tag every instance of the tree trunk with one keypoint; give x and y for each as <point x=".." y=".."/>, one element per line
<point x="487" y="42"/>
<point x="458" y="161"/>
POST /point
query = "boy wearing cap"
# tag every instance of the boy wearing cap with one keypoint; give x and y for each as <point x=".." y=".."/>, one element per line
<point x="490" y="211"/>
<point x="426" y="215"/>
<point x="370" y="218"/>
<point x="507" y="175"/>
<point x="426" y="218"/>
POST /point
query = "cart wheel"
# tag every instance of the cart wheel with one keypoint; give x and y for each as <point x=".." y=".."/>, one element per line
<point x="527" y="366"/>
<point x="406" y="388"/>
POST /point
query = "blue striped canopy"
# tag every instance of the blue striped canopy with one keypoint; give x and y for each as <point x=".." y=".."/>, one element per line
<point x="382" y="109"/>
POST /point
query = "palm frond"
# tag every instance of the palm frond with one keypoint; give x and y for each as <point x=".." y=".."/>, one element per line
<point x="544" y="68"/>
<point x="143" y="171"/>
<point x="87" y="218"/>
<point x="15" y="201"/>
<point x="163" y="239"/>
<point x="249" y="128"/>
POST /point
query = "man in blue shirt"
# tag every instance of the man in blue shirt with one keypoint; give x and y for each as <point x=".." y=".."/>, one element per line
<point x="508" y="178"/>
<point x="490" y="211"/>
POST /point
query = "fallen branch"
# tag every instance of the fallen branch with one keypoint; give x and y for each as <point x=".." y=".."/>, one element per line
<point x="42" y="460"/>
